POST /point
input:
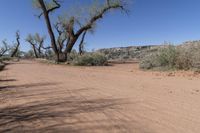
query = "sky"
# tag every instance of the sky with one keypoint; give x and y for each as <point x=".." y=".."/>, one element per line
<point x="149" y="22"/>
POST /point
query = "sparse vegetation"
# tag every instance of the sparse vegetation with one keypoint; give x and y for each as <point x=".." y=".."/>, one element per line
<point x="90" y="59"/>
<point x="5" y="58"/>
<point x="126" y="53"/>
<point x="37" y="43"/>
<point x="182" y="57"/>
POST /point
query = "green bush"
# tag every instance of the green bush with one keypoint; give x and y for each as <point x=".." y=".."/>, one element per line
<point x="90" y="59"/>
<point x="183" y="57"/>
<point x="164" y="57"/>
<point x="5" y="58"/>
<point x="150" y="61"/>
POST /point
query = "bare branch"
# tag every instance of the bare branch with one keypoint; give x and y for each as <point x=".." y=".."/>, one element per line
<point x="81" y="43"/>
<point x="5" y="48"/>
<point x="46" y="48"/>
<point x="54" y="8"/>
<point x="99" y="15"/>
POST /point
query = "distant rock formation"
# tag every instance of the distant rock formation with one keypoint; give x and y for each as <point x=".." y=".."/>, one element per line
<point x="138" y="52"/>
<point x="126" y="53"/>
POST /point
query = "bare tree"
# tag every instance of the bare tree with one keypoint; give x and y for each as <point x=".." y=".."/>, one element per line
<point x="71" y="28"/>
<point x="39" y="40"/>
<point x="37" y="43"/>
<point x="4" y="49"/>
<point x="16" y="47"/>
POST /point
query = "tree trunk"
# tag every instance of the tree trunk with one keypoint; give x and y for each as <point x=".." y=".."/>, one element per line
<point x="70" y="45"/>
<point x="15" y="50"/>
<point x="62" y="57"/>
<point x="35" y="52"/>
<point x="81" y="45"/>
<point x="50" y="31"/>
<point x="18" y="43"/>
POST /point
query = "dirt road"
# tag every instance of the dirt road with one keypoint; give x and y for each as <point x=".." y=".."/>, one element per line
<point x="37" y="97"/>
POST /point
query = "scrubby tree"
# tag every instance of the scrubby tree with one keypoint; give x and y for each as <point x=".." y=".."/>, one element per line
<point x="37" y="43"/>
<point x="4" y="48"/>
<point x="12" y="50"/>
<point x="31" y="41"/>
<point x="70" y="28"/>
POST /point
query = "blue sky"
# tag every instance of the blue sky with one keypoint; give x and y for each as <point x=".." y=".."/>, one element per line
<point x="149" y="22"/>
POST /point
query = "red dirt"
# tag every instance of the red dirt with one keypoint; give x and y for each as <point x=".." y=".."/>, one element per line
<point x="36" y="97"/>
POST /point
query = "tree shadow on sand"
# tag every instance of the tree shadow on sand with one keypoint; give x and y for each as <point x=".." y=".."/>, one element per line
<point x="73" y="113"/>
<point x="7" y="80"/>
<point x="69" y="115"/>
<point x="31" y="85"/>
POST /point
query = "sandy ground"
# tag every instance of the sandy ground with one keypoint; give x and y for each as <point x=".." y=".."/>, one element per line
<point x="37" y="97"/>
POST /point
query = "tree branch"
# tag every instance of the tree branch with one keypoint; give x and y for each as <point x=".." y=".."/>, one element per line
<point x="98" y="16"/>
<point x="54" y="8"/>
<point x="4" y="49"/>
<point x="81" y="43"/>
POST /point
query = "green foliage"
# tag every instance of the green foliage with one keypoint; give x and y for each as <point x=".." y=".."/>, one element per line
<point x="5" y="58"/>
<point x="149" y="61"/>
<point x="164" y="58"/>
<point x="171" y="57"/>
<point x="167" y="56"/>
<point x="73" y="55"/>
<point x="90" y="59"/>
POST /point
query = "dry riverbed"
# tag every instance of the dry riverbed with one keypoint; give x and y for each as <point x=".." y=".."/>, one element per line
<point x="37" y="97"/>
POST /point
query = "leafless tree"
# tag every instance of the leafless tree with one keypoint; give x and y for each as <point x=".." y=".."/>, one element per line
<point x="31" y="41"/>
<point x="37" y="43"/>
<point x="4" y="49"/>
<point x="71" y="28"/>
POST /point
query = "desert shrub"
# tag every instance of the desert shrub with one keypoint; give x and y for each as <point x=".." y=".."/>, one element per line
<point x="90" y="59"/>
<point x="150" y="61"/>
<point x="73" y="55"/>
<point x="183" y="60"/>
<point x="5" y="58"/>
<point x="183" y="57"/>
<point x="164" y="57"/>
<point x="188" y="56"/>
<point x="167" y="56"/>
